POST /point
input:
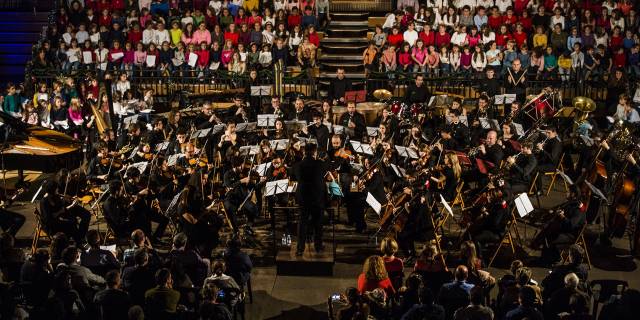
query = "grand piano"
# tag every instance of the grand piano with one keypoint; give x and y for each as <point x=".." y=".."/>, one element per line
<point x="27" y="147"/>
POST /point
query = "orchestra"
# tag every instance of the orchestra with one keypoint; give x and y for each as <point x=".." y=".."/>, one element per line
<point x="210" y="169"/>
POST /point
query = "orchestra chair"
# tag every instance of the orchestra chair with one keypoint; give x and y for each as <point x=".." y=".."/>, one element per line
<point x="564" y="254"/>
<point x="38" y="233"/>
<point x="438" y="225"/>
<point x="507" y="240"/>
<point x="554" y="175"/>
<point x="458" y="199"/>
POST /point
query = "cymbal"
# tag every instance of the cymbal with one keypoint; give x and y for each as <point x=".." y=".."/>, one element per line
<point x="452" y="95"/>
<point x="382" y="94"/>
<point x="584" y="104"/>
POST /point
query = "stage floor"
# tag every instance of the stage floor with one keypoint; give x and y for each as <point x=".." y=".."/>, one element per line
<point x="296" y="297"/>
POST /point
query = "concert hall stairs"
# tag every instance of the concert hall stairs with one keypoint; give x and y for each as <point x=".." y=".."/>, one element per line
<point x="20" y="28"/>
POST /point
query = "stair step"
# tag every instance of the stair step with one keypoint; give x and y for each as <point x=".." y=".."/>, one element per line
<point x="348" y="75"/>
<point x="14" y="59"/>
<point x="22" y="26"/>
<point x="359" y="23"/>
<point x="341" y="57"/>
<point x="342" y="40"/>
<point x="342" y="16"/>
<point x="8" y="16"/>
<point x="19" y="37"/>
<point x="16" y="48"/>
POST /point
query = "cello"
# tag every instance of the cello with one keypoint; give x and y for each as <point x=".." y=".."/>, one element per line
<point x="625" y="191"/>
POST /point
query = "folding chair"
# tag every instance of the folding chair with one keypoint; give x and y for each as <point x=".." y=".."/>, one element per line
<point x="458" y="199"/>
<point x="507" y="239"/>
<point x="38" y="233"/>
<point x="564" y="254"/>
<point x="438" y="224"/>
<point x="554" y="175"/>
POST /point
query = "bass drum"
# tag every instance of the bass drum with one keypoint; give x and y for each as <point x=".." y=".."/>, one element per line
<point x="396" y="106"/>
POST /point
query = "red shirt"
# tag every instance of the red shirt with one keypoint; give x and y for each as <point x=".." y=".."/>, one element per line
<point x="233" y="36"/>
<point x="494" y="22"/>
<point x="314" y="38"/>
<point x="615" y="43"/>
<point x="619" y="59"/>
<point x="520" y="38"/>
<point x="252" y="20"/>
<point x="526" y="23"/>
<point x="203" y="58"/>
<point x="428" y="39"/>
<point x="501" y="39"/>
<point x="93" y="4"/>
<point x="240" y="20"/>
<point x="395" y="39"/>
<point x="443" y="39"/>
<point x="369" y="285"/>
<point x="549" y="4"/>
<point x="393" y="264"/>
<point x="104" y="5"/>
<point x="519" y="6"/>
<point x="104" y="21"/>
<point x="117" y="5"/>
<point x="294" y="20"/>
<point x="113" y="51"/>
<point x="510" y="21"/>
<point x="134" y="37"/>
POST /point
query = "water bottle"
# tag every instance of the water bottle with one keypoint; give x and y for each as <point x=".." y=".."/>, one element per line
<point x="284" y="239"/>
<point x="289" y="240"/>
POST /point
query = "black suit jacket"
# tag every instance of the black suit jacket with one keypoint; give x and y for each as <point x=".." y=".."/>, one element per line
<point x="310" y="175"/>
<point x="358" y="119"/>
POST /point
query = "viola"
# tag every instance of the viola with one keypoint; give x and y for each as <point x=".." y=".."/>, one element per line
<point x="343" y="153"/>
<point x="279" y="172"/>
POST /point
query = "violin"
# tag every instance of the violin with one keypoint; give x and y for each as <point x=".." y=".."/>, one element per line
<point x="279" y="172"/>
<point x="198" y="162"/>
<point x="343" y="153"/>
<point x="112" y="161"/>
<point x="146" y="155"/>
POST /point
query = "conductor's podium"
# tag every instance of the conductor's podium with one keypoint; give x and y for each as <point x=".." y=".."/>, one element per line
<point x="309" y="264"/>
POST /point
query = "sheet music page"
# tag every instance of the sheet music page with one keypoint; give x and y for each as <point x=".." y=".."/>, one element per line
<point x="261" y="169"/>
<point x="523" y="205"/>
<point x="446" y="206"/>
<point x="519" y="128"/>
<point x="373" y="202"/>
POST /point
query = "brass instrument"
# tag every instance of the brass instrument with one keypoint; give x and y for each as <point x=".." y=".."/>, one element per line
<point x="582" y="107"/>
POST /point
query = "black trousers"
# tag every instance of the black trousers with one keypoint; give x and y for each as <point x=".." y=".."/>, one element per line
<point x="249" y="208"/>
<point x="310" y="219"/>
<point x="11" y="221"/>
<point x="69" y="224"/>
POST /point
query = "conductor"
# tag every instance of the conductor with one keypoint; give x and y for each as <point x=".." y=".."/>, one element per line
<point x="311" y="196"/>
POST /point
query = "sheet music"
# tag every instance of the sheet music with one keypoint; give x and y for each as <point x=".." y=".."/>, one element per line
<point x="250" y="150"/>
<point x="141" y="166"/>
<point x="523" y="205"/>
<point x="509" y="98"/>
<point x="267" y="120"/>
<point x="498" y="99"/>
<point x="464" y="120"/>
<point x="519" y="128"/>
<point x="276" y="187"/>
<point x="257" y="91"/>
<point x="87" y="57"/>
<point x="261" y="169"/>
<point x="292" y="187"/>
<point x="173" y="159"/>
<point x="406" y="152"/>
<point x="200" y="133"/>
<point x="117" y="55"/>
<point x="193" y="59"/>
<point x="446" y="205"/>
<point x="337" y="129"/>
<point x="242" y="127"/>
<point x="400" y="172"/>
<point x="162" y="146"/>
<point x="372" y="131"/>
<point x="130" y="119"/>
<point x="151" y="61"/>
<point x="218" y="128"/>
<point x="373" y="203"/>
<point x="565" y="177"/>
<point x="280" y="144"/>
<point x="597" y="192"/>
<point x="484" y="123"/>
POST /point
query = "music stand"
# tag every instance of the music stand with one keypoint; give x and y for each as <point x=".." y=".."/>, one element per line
<point x="246" y="127"/>
<point x="249" y="150"/>
<point x="356" y="96"/>
<point x="337" y="129"/>
<point x="374" y="203"/>
<point x="259" y="91"/>
<point x="360" y="147"/>
<point x="218" y="128"/>
<point x="519" y="128"/>
<point x="261" y="169"/>
<point x="406" y="152"/>
<point x="266" y="120"/>
<point x="279" y="144"/>
<point x="273" y="188"/>
<point x="399" y="171"/>
<point x="200" y="133"/>
<point x="173" y="159"/>
<point x="372" y="131"/>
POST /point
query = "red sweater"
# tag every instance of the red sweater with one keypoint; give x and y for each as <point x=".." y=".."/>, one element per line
<point x="233" y="36"/>
<point x="501" y="39"/>
<point x="520" y="38"/>
<point x="117" y="5"/>
<point x="134" y="37"/>
<point x="619" y="60"/>
<point x="428" y="39"/>
<point x="294" y="20"/>
<point x="368" y="285"/>
<point x="442" y="39"/>
<point x="203" y="58"/>
<point x="315" y="39"/>
<point x="527" y="24"/>
<point x="494" y="22"/>
<point x="395" y="39"/>
<point x="105" y="21"/>
<point x="393" y="264"/>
